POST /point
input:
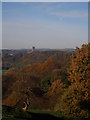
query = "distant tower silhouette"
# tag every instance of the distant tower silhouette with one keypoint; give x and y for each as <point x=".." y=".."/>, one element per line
<point x="33" y="49"/>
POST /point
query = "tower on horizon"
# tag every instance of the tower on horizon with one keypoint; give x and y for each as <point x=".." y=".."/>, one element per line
<point x="33" y="49"/>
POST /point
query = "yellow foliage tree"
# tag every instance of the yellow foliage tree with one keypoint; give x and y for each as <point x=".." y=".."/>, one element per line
<point x="79" y="71"/>
<point x="75" y="102"/>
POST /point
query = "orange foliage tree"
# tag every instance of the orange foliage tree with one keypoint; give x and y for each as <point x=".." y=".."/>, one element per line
<point x="80" y="69"/>
<point x="76" y="99"/>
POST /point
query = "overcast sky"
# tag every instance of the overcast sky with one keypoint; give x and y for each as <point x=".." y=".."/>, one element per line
<point x="44" y="25"/>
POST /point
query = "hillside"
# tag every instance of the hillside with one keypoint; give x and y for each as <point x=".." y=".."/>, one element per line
<point x="54" y="81"/>
<point x="25" y="70"/>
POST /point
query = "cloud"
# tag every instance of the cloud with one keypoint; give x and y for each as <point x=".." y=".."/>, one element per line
<point x="51" y="8"/>
<point x="41" y="30"/>
<point x="71" y="14"/>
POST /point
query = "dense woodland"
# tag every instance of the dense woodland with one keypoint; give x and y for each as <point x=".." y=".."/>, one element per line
<point x="56" y="80"/>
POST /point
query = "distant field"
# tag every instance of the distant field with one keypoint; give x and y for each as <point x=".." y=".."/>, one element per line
<point x="3" y="71"/>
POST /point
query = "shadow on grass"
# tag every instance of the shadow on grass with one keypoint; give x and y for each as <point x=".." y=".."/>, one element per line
<point x="17" y="114"/>
<point x="43" y="116"/>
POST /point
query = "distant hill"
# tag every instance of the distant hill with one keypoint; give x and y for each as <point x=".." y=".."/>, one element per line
<point x="37" y="70"/>
<point x="17" y="58"/>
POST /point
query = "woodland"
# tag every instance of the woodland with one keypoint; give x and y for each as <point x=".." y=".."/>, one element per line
<point x="53" y="84"/>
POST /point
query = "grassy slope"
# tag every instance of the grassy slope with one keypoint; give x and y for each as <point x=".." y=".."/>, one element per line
<point x="17" y="114"/>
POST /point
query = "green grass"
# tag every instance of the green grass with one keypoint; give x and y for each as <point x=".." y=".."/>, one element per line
<point x="17" y="114"/>
<point x="55" y="114"/>
<point x="3" y="71"/>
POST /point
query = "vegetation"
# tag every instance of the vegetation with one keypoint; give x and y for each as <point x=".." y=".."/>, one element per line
<point x="45" y="83"/>
<point x="10" y="113"/>
<point x="76" y="98"/>
<point x="53" y="82"/>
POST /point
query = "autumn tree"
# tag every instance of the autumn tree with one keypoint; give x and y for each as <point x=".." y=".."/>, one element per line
<point x="80" y="69"/>
<point x="75" y="102"/>
<point x="56" y="89"/>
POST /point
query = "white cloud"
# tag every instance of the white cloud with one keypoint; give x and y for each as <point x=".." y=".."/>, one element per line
<point x="71" y="14"/>
<point x="41" y="33"/>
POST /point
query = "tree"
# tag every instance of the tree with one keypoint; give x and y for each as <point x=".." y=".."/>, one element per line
<point x="80" y="69"/>
<point x="76" y="99"/>
<point x="45" y="83"/>
<point x="27" y="101"/>
<point x="56" y="89"/>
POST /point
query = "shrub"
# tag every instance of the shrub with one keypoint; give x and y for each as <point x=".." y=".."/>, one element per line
<point x="45" y="83"/>
<point x="69" y="104"/>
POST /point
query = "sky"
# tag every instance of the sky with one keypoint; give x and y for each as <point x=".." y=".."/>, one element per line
<point x="44" y="25"/>
<point x="45" y="0"/>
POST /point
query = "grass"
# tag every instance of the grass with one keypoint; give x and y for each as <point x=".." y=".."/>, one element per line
<point x="55" y="114"/>
<point x="17" y="114"/>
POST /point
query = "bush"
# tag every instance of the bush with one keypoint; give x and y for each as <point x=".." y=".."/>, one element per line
<point x="45" y="83"/>
<point x="69" y="105"/>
